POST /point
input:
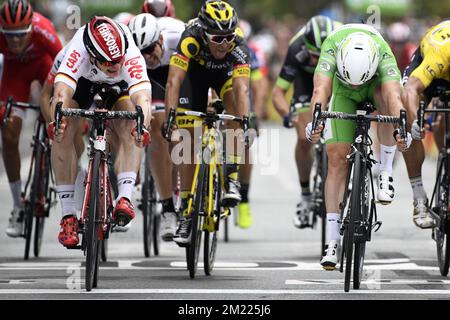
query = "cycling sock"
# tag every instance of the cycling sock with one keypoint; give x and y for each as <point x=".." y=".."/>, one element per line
<point x="244" y="192"/>
<point x="79" y="189"/>
<point x="305" y="188"/>
<point x="417" y="188"/>
<point x="125" y="184"/>
<point x="387" y="154"/>
<point x="16" y="191"/>
<point x="333" y="227"/>
<point x="66" y="194"/>
<point x="167" y="205"/>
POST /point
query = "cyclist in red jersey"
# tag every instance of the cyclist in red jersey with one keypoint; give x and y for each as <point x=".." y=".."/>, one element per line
<point x="159" y="8"/>
<point x="29" y="43"/>
<point x="398" y="35"/>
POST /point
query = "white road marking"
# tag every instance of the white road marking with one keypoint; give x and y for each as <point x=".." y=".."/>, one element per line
<point x="369" y="282"/>
<point x="382" y="264"/>
<point x="222" y="291"/>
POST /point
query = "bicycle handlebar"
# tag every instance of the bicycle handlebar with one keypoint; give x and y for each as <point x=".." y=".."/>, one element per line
<point x="318" y="115"/>
<point x="100" y="114"/>
<point x="10" y="103"/>
<point x="422" y="110"/>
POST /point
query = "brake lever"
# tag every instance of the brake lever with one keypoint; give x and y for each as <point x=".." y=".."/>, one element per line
<point x="402" y="124"/>
<point x="316" y="116"/>
<point x="421" y="114"/>
<point x="58" y="117"/>
<point x="139" y="122"/>
<point x="170" y="121"/>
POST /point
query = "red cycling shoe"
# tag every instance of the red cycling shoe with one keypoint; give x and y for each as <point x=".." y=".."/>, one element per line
<point x="68" y="235"/>
<point x="123" y="212"/>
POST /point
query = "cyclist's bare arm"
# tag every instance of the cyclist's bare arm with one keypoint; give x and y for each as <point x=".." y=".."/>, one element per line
<point x="143" y="98"/>
<point x="63" y="93"/>
<point x="322" y="90"/>
<point x="241" y="90"/>
<point x="174" y="81"/>
<point x="391" y="92"/>
<point x="411" y="96"/>
<point x="279" y="101"/>
<point x="46" y="93"/>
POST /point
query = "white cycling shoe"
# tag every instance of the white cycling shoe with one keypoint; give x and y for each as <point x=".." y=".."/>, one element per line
<point x="422" y="216"/>
<point x="15" y="225"/>
<point x="330" y="259"/>
<point x="386" y="191"/>
<point x="168" y="226"/>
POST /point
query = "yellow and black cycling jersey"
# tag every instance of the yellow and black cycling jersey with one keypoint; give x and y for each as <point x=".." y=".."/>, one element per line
<point x="193" y="47"/>
<point x="435" y="52"/>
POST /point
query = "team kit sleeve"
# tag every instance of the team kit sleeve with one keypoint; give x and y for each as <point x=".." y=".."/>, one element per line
<point x="134" y="71"/>
<point x="432" y="67"/>
<point x="73" y="65"/>
<point x="327" y="60"/>
<point x="289" y="69"/>
<point x="387" y="68"/>
<point x="188" y="48"/>
<point x="241" y="61"/>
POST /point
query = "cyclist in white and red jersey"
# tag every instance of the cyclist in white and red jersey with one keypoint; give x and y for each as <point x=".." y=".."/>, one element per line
<point x="29" y="44"/>
<point x="102" y="52"/>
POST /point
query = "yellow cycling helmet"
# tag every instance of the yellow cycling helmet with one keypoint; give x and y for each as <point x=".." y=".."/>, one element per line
<point x="218" y="17"/>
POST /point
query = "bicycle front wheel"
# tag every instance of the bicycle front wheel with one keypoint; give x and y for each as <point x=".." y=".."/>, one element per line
<point x="148" y="191"/>
<point x="353" y="212"/>
<point x="193" y="248"/>
<point x="210" y="242"/>
<point x="92" y="225"/>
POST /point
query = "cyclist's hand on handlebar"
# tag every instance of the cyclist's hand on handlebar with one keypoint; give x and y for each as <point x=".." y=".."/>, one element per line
<point x="145" y="138"/>
<point x="416" y="132"/>
<point x="51" y="130"/>
<point x="313" y="137"/>
<point x="167" y="131"/>
<point x="403" y="144"/>
<point x="287" y="121"/>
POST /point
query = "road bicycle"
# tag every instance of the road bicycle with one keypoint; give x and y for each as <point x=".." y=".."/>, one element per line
<point x="96" y="214"/>
<point x="439" y="205"/>
<point x="205" y="198"/>
<point x="360" y="218"/>
<point x="39" y="195"/>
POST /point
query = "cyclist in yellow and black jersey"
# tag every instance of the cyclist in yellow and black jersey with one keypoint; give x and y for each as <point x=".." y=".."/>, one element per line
<point x="212" y="54"/>
<point x="428" y="70"/>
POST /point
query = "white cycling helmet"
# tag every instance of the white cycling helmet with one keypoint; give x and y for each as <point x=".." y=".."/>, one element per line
<point x="357" y="58"/>
<point x="145" y="30"/>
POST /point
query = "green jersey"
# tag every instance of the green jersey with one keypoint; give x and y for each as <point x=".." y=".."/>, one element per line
<point x="387" y="66"/>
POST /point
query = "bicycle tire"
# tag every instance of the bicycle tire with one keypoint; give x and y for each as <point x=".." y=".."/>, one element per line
<point x="350" y="230"/>
<point x="104" y="250"/>
<point x="210" y="241"/>
<point x="156" y="236"/>
<point x="442" y="232"/>
<point x="31" y="203"/>
<point x="193" y="248"/>
<point x="147" y="208"/>
<point x="40" y="221"/>
<point x="226" y="230"/>
<point x="360" y="245"/>
<point x="91" y="225"/>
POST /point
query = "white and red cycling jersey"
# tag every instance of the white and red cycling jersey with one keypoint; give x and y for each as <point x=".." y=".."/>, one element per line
<point x="171" y="29"/>
<point x="78" y="63"/>
<point x="56" y="64"/>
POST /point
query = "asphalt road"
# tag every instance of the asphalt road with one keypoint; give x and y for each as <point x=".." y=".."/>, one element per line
<point x="271" y="260"/>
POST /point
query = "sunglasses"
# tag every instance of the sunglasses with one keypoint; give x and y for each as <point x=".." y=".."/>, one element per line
<point x="112" y="63"/>
<point x="20" y="33"/>
<point x="150" y="48"/>
<point x="219" y="39"/>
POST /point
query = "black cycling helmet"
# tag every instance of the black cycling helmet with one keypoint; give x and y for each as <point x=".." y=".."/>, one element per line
<point x="317" y="30"/>
<point x="218" y="17"/>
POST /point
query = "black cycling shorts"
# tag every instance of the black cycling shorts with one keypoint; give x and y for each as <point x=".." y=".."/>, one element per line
<point x="85" y="92"/>
<point x="303" y="87"/>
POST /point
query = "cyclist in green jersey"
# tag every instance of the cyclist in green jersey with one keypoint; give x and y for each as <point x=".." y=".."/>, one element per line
<point x="355" y="65"/>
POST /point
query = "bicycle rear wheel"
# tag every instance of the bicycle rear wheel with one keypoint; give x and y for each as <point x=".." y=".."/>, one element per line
<point x="193" y="248"/>
<point x="442" y="232"/>
<point x="32" y="199"/>
<point x="353" y="212"/>
<point x="156" y="236"/>
<point x="104" y="250"/>
<point x="210" y="242"/>
<point x="92" y="225"/>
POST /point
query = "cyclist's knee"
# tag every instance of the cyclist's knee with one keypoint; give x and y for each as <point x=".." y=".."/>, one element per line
<point x="337" y="161"/>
